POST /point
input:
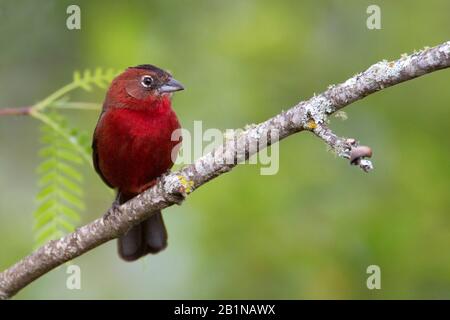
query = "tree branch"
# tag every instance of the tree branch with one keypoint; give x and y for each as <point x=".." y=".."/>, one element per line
<point x="172" y="188"/>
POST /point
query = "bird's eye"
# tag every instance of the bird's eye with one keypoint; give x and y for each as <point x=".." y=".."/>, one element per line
<point x="147" y="81"/>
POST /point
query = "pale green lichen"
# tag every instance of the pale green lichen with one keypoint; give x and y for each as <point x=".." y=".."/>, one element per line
<point x="342" y="115"/>
<point x="318" y="108"/>
<point x="232" y="134"/>
<point x="249" y="126"/>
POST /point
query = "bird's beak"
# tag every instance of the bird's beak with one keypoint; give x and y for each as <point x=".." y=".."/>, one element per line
<point x="171" y="86"/>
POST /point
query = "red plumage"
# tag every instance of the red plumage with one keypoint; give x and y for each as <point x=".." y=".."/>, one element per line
<point x="133" y="146"/>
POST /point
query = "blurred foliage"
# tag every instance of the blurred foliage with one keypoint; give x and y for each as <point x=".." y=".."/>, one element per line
<point x="309" y="231"/>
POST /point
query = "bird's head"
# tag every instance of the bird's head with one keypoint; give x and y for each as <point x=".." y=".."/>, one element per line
<point x="141" y="87"/>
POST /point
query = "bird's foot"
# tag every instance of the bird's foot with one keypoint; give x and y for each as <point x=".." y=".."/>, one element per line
<point x="176" y="187"/>
<point x="115" y="206"/>
<point x="179" y="196"/>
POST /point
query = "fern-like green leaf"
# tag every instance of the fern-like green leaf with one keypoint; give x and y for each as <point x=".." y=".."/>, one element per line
<point x="60" y="196"/>
<point x="98" y="77"/>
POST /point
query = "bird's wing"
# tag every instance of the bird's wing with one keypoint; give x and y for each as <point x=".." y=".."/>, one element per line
<point x="95" y="155"/>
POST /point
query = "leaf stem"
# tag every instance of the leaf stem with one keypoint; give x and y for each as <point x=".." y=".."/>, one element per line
<point x="41" y="105"/>
<point x="55" y="126"/>
<point x="76" y="105"/>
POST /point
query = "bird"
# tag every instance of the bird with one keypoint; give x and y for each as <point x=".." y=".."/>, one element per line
<point x="133" y="146"/>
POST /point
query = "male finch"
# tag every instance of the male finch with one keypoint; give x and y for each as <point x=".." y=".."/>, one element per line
<point x="132" y="146"/>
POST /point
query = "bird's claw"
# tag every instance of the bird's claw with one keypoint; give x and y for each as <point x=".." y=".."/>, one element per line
<point x="176" y="187"/>
<point x="114" y="206"/>
<point x="179" y="197"/>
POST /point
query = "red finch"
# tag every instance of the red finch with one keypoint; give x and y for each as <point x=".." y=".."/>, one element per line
<point x="132" y="146"/>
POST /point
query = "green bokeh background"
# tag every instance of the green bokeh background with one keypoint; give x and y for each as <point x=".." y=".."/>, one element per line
<point x="309" y="231"/>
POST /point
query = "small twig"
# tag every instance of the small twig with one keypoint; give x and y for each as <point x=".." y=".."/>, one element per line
<point x="347" y="148"/>
<point x="21" y="111"/>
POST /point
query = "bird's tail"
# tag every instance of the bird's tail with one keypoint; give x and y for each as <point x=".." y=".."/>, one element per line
<point x="150" y="236"/>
